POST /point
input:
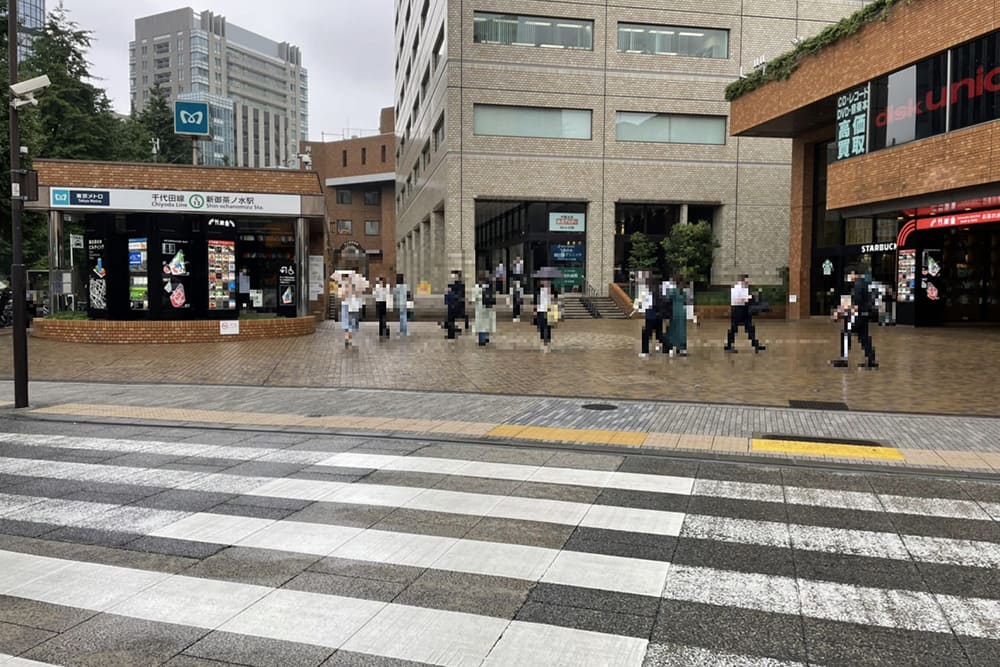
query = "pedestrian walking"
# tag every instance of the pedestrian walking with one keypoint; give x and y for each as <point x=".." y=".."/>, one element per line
<point x="484" y="297"/>
<point x="739" y="300"/>
<point x="648" y="301"/>
<point x="677" y="334"/>
<point x="500" y="276"/>
<point x="856" y="309"/>
<point x="459" y="287"/>
<point x="344" y="292"/>
<point x="452" y="302"/>
<point x="546" y="307"/>
<point x="516" y="298"/>
<point x="404" y="302"/>
<point x="518" y="269"/>
<point x="382" y="294"/>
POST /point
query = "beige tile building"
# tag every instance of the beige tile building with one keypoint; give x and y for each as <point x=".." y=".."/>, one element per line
<point x="553" y="130"/>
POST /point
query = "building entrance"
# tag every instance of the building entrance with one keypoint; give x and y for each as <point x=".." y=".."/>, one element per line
<point x="963" y="265"/>
<point x="540" y="233"/>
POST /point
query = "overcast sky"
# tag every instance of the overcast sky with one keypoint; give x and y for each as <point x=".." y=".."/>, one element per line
<point x="347" y="46"/>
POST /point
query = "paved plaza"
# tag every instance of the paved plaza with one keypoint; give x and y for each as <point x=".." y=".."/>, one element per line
<point x="193" y="547"/>
<point x="933" y="371"/>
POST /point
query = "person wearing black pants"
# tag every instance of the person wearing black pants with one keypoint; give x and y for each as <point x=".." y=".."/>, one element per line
<point x="856" y="316"/>
<point x="452" y="300"/>
<point x="739" y="300"/>
<point x="381" y="293"/>
<point x="651" y="303"/>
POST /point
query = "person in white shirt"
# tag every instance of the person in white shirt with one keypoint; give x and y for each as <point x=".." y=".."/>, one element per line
<point x="739" y="301"/>
<point x="381" y="293"/>
<point x="544" y="299"/>
<point x="518" y="271"/>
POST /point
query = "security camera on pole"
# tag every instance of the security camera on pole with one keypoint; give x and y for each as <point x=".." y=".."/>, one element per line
<point x="22" y="93"/>
<point x="191" y="119"/>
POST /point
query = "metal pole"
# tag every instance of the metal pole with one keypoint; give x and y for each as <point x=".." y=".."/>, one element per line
<point x="20" y="334"/>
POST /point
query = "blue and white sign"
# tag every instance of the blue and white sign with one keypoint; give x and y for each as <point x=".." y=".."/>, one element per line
<point x="64" y="197"/>
<point x="191" y="118"/>
<point x="566" y="252"/>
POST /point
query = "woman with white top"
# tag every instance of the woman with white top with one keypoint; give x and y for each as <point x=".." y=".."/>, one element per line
<point x="544" y="301"/>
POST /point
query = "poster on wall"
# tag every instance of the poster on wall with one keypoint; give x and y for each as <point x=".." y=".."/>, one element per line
<point x="175" y="274"/>
<point x="906" y="275"/>
<point x="97" y="276"/>
<point x="316" y="274"/>
<point x="930" y="270"/>
<point x="286" y="285"/>
<point x="221" y="275"/>
<point x="138" y="274"/>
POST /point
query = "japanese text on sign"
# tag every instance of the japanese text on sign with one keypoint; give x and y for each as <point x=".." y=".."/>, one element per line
<point x="852" y="123"/>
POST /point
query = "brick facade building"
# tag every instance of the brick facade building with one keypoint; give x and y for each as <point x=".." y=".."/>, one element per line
<point x="358" y="177"/>
<point x="908" y="182"/>
<point x="599" y="119"/>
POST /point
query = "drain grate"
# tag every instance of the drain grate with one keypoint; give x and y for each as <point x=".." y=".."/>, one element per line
<point x="817" y="405"/>
<point x="599" y="406"/>
<point x="784" y="437"/>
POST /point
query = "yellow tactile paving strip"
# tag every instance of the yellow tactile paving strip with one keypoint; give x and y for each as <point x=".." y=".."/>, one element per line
<point x="825" y="449"/>
<point x="725" y="445"/>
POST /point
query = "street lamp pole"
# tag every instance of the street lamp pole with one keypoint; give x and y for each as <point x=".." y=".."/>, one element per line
<point x="17" y="275"/>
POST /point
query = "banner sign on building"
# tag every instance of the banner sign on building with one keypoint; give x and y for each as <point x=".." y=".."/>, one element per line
<point x="567" y="222"/>
<point x="852" y="122"/>
<point x="174" y="201"/>
<point x="959" y="220"/>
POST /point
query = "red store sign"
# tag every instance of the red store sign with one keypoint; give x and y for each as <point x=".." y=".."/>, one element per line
<point x="959" y="220"/>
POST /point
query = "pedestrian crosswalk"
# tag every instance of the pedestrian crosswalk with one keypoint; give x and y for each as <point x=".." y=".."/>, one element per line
<point x="355" y="550"/>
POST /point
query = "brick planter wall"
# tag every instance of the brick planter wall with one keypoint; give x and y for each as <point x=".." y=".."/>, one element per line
<point x="177" y="331"/>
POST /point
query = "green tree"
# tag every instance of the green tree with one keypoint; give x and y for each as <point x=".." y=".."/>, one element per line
<point x="158" y="120"/>
<point x="688" y="250"/>
<point x="74" y="119"/>
<point x="644" y="254"/>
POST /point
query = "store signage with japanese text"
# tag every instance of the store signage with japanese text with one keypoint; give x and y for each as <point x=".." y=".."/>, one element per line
<point x="959" y="220"/>
<point x="178" y="201"/>
<point x="566" y="252"/>
<point x="852" y="122"/>
<point x="567" y="222"/>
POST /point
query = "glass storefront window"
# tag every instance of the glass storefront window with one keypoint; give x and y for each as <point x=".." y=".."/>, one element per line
<point x="975" y="82"/>
<point x="910" y="104"/>
<point x="857" y="231"/>
<point x="886" y="230"/>
<point x="673" y="40"/>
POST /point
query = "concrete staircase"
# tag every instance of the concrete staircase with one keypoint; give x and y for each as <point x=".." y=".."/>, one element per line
<point x="575" y="307"/>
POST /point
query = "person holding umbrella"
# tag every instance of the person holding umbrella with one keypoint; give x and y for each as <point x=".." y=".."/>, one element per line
<point x="546" y="304"/>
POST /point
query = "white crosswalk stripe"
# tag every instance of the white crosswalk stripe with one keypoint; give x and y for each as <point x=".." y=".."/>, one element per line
<point x="559" y="582"/>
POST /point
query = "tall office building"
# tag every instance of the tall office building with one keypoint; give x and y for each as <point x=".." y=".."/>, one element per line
<point x="31" y="15"/>
<point x="556" y="130"/>
<point x="257" y="89"/>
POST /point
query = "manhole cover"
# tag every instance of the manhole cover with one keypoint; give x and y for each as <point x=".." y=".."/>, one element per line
<point x="822" y="440"/>
<point x="599" y="406"/>
<point x="817" y="405"/>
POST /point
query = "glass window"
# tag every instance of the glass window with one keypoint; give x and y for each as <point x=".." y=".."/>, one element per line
<point x="673" y="40"/>
<point x="343" y="196"/>
<point x="495" y="120"/>
<point x="344" y="226"/>
<point x="513" y="30"/>
<point x="975" y="82"/>
<point x="438" y="134"/>
<point x="670" y="128"/>
<point x="858" y="231"/>
<point x="372" y="227"/>
<point x="886" y="230"/>
<point x="910" y="104"/>
<point x="373" y="198"/>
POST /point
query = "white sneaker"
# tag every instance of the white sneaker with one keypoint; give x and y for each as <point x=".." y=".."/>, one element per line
<point x="643" y="355"/>
<point x="671" y="353"/>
